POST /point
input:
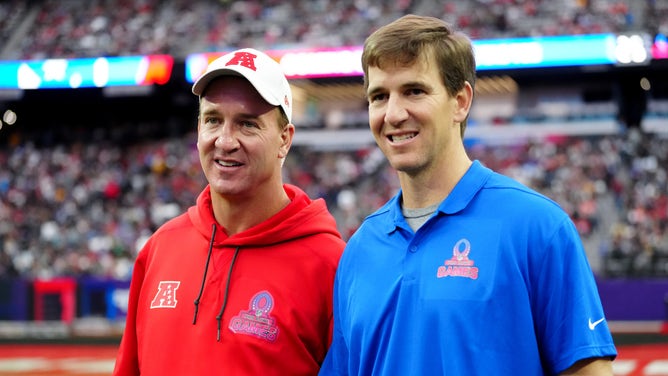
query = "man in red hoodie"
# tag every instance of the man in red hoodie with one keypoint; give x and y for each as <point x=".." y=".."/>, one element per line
<point x="240" y="284"/>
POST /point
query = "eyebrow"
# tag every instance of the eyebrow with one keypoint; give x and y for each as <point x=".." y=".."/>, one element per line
<point x="207" y="112"/>
<point x="407" y="85"/>
<point x="373" y="90"/>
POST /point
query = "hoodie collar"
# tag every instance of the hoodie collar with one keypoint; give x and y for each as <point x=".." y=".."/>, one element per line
<point x="301" y="217"/>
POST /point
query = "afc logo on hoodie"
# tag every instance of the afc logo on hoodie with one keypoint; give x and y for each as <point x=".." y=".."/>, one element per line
<point x="166" y="295"/>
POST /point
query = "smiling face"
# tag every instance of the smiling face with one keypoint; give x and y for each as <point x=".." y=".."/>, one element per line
<point x="414" y="120"/>
<point x="240" y="142"/>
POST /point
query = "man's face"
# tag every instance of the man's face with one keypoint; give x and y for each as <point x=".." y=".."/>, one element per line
<point x="413" y="119"/>
<point x="239" y="140"/>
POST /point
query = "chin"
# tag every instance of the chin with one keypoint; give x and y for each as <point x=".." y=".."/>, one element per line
<point x="402" y="163"/>
<point x="224" y="189"/>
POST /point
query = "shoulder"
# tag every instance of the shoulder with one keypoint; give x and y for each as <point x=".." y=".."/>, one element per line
<point x="508" y="192"/>
<point x="179" y="222"/>
<point x="387" y="211"/>
<point x="324" y="246"/>
<point x="173" y="231"/>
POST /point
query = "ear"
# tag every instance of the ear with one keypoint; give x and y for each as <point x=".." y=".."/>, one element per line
<point x="198" y="128"/>
<point x="463" y="101"/>
<point x="286" y="140"/>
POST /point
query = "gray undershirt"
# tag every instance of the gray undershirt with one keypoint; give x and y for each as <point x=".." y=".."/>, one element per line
<point x="417" y="217"/>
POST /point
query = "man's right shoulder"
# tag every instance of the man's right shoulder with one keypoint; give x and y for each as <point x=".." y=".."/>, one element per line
<point x="177" y="223"/>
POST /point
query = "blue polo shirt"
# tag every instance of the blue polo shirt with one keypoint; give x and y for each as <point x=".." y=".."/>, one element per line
<point x="496" y="282"/>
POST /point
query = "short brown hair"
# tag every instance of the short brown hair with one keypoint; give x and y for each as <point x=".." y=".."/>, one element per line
<point x="410" y="37"/>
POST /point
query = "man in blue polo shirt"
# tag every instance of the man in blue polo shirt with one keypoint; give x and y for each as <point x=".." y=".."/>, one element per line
<point x="465" y="271"/>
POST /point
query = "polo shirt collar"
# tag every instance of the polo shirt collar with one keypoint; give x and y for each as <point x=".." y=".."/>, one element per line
<point x="462" y="194"/>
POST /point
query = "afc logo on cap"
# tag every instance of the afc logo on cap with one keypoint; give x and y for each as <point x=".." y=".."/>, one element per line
<point x="245" y="59"/>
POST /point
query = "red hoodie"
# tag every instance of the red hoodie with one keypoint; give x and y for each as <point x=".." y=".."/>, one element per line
<point x="271" y="287"/>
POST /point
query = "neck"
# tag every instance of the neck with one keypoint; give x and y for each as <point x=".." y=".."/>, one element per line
<point x="430" y="187"/>
<point x="239" y="213"/>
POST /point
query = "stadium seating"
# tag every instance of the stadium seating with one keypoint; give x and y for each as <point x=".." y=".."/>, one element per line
<point x="82" y="210"/>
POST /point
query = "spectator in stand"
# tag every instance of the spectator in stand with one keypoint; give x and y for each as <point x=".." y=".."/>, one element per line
<point x="64" y="29"/>
<point x="162" y="177"/>
<point x="242" y="282"/>
<point x="464" y="270"/>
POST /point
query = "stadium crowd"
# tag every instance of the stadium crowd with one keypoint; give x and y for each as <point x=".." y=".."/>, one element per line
<point x="85" y="208"/>
<point x="91" y="28"/>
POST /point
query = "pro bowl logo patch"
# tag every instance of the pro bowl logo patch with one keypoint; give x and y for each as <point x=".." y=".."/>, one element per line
<point x="256" y="321"/>
<point x="459" y="265"/>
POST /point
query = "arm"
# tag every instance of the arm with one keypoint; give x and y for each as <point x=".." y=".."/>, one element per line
<point x="581" y="349"/>
<point x="127" y="358"/>
<point x="590" y="367"/>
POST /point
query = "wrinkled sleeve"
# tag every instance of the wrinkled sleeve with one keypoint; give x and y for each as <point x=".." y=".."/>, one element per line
<point x="127" y="359"/>
<point x="336" y="361"/>
<point x="565" y="305"/>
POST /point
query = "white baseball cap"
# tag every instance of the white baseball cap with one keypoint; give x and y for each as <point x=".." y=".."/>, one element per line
<point x="263" y="72"/>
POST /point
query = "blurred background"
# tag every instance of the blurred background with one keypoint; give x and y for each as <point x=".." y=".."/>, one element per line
<point x="98" y="130"/>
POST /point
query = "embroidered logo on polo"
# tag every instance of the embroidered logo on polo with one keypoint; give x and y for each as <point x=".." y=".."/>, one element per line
<point x="256" y="321"/>
<point x="166" y="295"/>
<point x="459" y="265"/>
<point x="245" y="59"/>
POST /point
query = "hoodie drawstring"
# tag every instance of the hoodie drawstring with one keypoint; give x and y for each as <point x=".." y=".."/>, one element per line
<point x="206" y="269"/>
<point x="227" y="289"/>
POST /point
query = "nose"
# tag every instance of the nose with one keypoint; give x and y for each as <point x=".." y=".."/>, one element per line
<point x="395" y="112"/>
<point x="227" y="139"/>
